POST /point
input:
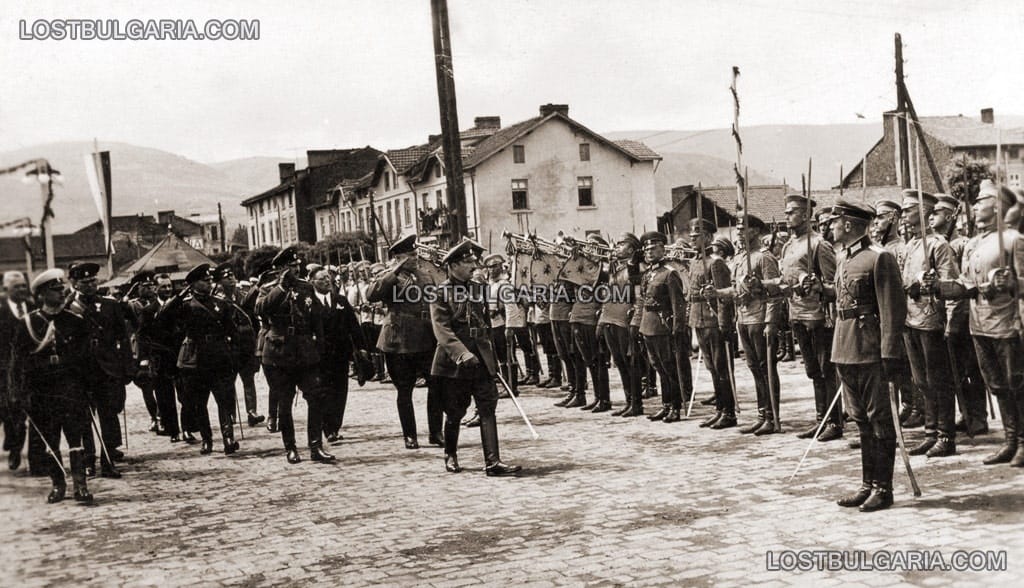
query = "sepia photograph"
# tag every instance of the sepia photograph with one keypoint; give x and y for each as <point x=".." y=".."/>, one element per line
<point x="512" y="293"/>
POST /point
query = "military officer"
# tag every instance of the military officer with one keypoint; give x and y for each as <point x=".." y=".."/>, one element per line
<point x="614" y="321"/>
<point x="143" y="287"/>
<point x="989" y="279"/>
<point x="870" y="317"/>
<point x="51" y="361"/>
<point x="464" y="360"/>
<point x="540" y="323"/>
<point x="206" y="358"/>
<point x="712" y="319"/>
<point x="244" y="340"/>
<point x="406" y="337"/>
<point x="967" y="381"/>
<point x="291" y="352"/>
<point x="664" y="318"/>
<point x="113" y="365"/>
<point x="494" y="269"/>
<point x="923" y="336"/>
<point x="758" y="319"/>
<point x="377" y="323"/>
<point x="803" y="273"/>
<point x="559" y="311"/>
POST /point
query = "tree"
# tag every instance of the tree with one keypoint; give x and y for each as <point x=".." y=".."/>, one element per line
<point x="258" y="260"/>
<point x="976" y="171"/>
<point x="342" y="248"/>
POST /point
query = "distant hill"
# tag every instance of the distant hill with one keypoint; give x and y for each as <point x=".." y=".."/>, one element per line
<point x="781" y="151"/>
<point x="678" y="169"/>
<point x="144" y="181"/>
<point x="778" y="151"/>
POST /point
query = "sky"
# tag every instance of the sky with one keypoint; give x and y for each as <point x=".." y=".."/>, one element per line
<point x="348" y="73"/>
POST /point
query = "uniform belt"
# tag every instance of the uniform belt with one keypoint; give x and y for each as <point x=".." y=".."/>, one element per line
<point x="857" y="311"/>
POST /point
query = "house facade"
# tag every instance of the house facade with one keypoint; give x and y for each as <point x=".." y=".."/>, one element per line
<point x="948" y="138"/>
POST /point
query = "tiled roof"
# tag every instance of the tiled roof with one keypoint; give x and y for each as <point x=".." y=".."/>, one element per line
<point x="764" y="202"/>
<point x="403" y="159"/>
<point x="171" y="252"/>
<point x="965" y="131"/>
<point x="638" y="149"/>
<point x="508" y="135"/>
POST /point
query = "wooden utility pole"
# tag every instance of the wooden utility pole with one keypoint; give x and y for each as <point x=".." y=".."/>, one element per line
<point x="901" y="111"/>
<point x="449" y="118"/>
<point x="220" y="224"/>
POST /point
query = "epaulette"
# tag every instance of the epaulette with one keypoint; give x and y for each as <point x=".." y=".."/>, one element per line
<point x="877" y="248"/>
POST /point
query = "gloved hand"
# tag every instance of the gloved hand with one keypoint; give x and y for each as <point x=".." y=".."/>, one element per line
<point x="708" y="292"/>
<point x="810" y="284"/>
<point x="470" y="362"/>
<point x="754" y="286"/>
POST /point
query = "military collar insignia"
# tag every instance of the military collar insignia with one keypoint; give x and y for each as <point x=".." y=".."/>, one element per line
<point x="858" y="246"/>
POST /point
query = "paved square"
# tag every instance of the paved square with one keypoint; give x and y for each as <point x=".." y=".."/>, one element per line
<point x="603" y="500"/>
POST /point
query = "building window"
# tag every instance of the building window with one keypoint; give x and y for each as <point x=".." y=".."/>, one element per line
<point x="254" y="243"/>
<point x="1013" y="180"/>
<point x="584" y="151"/>
<point x="390" y="224"/>
<point x="289" y="199"/>
<point x="518" y="154"/>
<point x="408" y="212"/>
<point x="380" y="217"/>
<point x="440" y="198"/>
<point x="426" y="204"/>
<point x="585" y="188"/>
<point x="332" y="224"/>
<point x="519" y="195"/>
<point x="323" y="226"/>
<point x="362" y="218"/>
<point x="261" y="207"/>
<point x="263" y="233"/>
<point x="280" y="237"/>
<point x="213" y="233"/>
<point x="387" y="181"/>
<point x="437" y="171"/>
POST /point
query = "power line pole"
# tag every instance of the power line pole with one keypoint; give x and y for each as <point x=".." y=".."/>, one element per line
<point x="220" y="223"/>
<point x="901" y="110"/>
<point x="449" y="117"/>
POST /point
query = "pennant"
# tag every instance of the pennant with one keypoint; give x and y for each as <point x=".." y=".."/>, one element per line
<point x="521" y="266"/>
<point x="97" y="170"/>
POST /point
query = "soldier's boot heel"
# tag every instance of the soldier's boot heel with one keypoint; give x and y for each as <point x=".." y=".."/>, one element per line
<point x="60" y="487"/>
<point x="880" y="499"/>
<point x="1007" y="451"/>
<point x="857" y="498"/>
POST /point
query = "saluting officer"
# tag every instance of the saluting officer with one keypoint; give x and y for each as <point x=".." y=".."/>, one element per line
<point x="244" y="340"/>
<point x="406" y="337"/>
<point x="870" y="317"/>
<point x="990" y="279"/>
<point x="924" y="337"/>
<point x="464" y="360"/>
<point x="803" y="273"/>
<point x="51" y="363"/>
<point x="113" y="365"/>
<point x="664" y="318"/>
<point x="291" y="352"/>
<point x="206" y="358"/>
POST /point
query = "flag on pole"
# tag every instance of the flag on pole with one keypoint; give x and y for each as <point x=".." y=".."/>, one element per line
<point x="97" y="169"/>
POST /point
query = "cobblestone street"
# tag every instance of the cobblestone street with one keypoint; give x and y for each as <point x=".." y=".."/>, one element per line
<point x="602" y="500"/>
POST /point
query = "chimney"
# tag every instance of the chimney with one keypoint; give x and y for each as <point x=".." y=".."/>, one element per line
<point x="988" y="116"/>
<point x="433" y="138"/>
<point x="487" y="122"/>
<point x="286" y="170"/>
<point x="547" y="109"/>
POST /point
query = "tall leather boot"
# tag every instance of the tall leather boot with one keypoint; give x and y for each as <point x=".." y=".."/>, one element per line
<point x="568" y="398"/>
<point x="727" y="420"/>
<point x="661" y="414"/>
<point x="554" y="379"/>
<point x="435" y="414"/>
<point x="228" y="435"/>
<point x="60" y="486"/>
<point x="489" y="439"/>
<point x="81" y="488"/>
<point x="1018" y="457"/>
<point x="885" y="459"/>
<point x="1008" y="412"/>
<point x="407" y="418"/>
<point x="867" y="466"/>
<point x="451" y="440"/>
<point x="317" y="453"/>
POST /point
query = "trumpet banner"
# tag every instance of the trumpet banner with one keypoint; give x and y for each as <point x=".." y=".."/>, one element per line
<point x="580" y="271"/>
<point x="545" y="268"/>
<point x="521" y="269"/>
